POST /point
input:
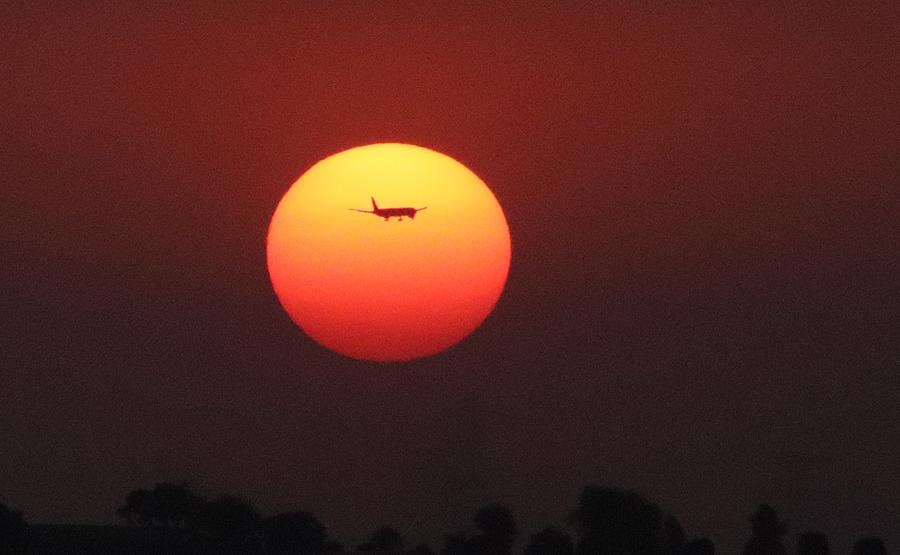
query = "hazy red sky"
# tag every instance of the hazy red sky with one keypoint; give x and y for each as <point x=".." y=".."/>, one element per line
<point x="703" y="300"/>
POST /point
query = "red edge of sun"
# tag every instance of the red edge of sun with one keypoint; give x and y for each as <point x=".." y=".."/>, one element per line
<point x="390" y="290"/>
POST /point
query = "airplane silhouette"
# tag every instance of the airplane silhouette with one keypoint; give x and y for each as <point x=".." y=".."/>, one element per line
<point x="388" y="213"/>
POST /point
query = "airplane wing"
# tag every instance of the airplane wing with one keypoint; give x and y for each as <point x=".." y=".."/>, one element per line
<point x="423" y="208"/>
<point x="363" y="211"/>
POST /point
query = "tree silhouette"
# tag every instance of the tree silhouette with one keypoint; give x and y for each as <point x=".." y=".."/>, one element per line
<point x="384" y="540"/>
<point x="869" y="546"/>
<point x="674" y="539"/>
<point x="619" y="522"/>
<point x="700" y="546"/>
<point x="167" y="505"/>
<point x="767" y="532"/>
<point x="225" y="516"/>
<point x="812" y="543"/>
<point x="13" y="531"/>
<point x="498" y="530"/>
<point x="293" y="533"/>
<point x="170" y="518"/>
<point x="457" y="544"/>
<point x="550" y="541"/>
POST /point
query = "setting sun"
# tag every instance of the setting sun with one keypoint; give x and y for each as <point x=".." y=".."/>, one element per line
<point x="385" y="285"/>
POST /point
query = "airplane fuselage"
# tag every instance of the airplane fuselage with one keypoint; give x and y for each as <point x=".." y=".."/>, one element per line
<point x="388" y="213"/>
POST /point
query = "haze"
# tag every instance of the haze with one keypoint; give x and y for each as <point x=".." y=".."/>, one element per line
<point x="702" y="304"/>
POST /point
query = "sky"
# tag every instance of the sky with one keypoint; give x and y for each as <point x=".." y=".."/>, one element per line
<point x="702" y="304"/>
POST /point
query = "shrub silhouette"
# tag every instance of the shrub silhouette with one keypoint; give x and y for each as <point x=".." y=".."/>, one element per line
<point x="498" y="530"/>
<point x="457" y="544"/>
<point x="619" y="522"/>
<point x="226" y="516"/>
<point x="166" y="505"/>
<point x="421" y="549"/>
<point x="550" y="541"/>
<point x="812" y="543"/>
<point x="384" y="540"/>
<point x="767" y="532"/>
<point x="293" y="533"/>
<point x="13" y="531"/>
<point x="869" y="546"/>
<point x="700" y="546"/>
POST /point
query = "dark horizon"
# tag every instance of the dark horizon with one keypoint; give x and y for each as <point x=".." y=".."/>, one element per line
<point x="702" y="303"/>
<point x="173" y="518"/>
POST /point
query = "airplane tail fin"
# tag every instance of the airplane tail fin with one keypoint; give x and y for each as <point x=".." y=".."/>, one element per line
<point x="374" y="204"/>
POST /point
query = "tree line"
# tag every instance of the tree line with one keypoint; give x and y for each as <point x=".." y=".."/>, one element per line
<point x="172" y="518"/>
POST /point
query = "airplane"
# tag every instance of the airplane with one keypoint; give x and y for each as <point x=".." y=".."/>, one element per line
<point x="388" y="213"/>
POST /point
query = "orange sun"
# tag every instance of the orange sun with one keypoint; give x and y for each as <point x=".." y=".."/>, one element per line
<point x="388" y="285"/>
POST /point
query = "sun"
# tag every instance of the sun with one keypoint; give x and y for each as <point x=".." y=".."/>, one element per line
<point x="388" y="285"/>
